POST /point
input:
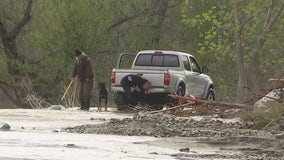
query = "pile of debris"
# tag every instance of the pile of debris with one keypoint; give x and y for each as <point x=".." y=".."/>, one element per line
<point x="165" y="125"/>
<point x="274" y="97"/>
<point x="190" y="106"/>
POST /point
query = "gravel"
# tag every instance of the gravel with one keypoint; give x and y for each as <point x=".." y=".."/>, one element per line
<point x="228" y="136"/>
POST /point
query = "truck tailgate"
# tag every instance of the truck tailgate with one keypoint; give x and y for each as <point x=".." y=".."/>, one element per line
<point x="156" y="77"/>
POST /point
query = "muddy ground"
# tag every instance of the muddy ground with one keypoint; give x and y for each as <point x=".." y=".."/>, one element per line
<point x="233" y="138"/>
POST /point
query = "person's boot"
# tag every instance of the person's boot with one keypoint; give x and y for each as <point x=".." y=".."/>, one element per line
<point x="84" y="106"/>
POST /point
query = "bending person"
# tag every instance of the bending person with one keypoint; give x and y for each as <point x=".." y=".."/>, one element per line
<point x="135" y="88"/>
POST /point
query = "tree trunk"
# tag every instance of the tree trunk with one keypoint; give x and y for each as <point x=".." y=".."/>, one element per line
<point x="9" y="36"/>
<point x="254" y="78"/>
<point x="242" y="83"/>
<point x="8" y="39"/>
<point x="159" y="8"/>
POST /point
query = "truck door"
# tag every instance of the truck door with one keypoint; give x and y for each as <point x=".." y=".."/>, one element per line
<point x="189" y="76"/>
<point x="125" y="60"/>
<point x="199" y="81"/>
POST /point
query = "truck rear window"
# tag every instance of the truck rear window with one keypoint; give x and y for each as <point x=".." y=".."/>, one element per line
<point x="159" y="60"/>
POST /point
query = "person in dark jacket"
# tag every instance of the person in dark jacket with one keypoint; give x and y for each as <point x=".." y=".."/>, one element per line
<point x="83" y="69"/>
<point x="135" y="88"/>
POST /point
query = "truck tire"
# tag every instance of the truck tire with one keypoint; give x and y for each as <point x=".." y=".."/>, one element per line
<point x="210" y="95"/>
<point x="180" y="91"/>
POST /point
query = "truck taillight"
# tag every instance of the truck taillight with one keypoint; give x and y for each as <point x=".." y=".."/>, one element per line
<point x="112" y="78"/>
<point x="158" y="52"/>
<point x="167" y="79"/>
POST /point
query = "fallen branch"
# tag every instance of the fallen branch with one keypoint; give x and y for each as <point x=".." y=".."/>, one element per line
<point x="268" y="124"/>
<point x="172" y="108"/>
<point x="278" y="80"/>
<point x="263" y="95"/>
<point x="215" y="103"/>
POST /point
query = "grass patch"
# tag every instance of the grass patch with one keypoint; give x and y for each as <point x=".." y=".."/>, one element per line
<point x="269" y="119"/>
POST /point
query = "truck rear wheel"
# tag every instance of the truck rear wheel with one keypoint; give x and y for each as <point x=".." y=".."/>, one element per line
<point x="211" y="95"/>
<point x="180" y="91"/>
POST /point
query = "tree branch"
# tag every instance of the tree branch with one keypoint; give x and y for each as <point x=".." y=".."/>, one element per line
<point x="273" y="20"/>
<point x="120" y="22"/>
<point x="252" y="16"/>
<point x="27" y="17"/>
<point x="3" y="30"/>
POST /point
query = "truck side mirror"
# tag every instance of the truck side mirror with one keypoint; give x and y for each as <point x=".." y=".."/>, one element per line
<point x="205" y="69"/>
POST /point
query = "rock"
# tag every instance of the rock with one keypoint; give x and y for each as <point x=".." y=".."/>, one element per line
<point x="71" y="146"/>
<point x="56" y="107"/>
<point x="4" y="127"/>
<point x="266" y="102"/>
<point x="99" y="119"/>
<point x="123" y="151"/>
<point x="184" y="150"/>
<point x="102" y="119"/>
<point x="279" y="136"/>
<point x="280" y="122"/>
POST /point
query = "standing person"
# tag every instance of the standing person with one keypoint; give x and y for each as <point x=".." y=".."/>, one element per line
<point x="135" y="88"/>
<point x="83" y="69"/>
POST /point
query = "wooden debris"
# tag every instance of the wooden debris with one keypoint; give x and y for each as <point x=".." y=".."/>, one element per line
<point x="263" y="95"/>
<point x="172" y="108"/>
<point x="280" y="100"/>
<point x="193" y="106"/>
<point x="213" y="103"/>
<point x="278" y="82"/>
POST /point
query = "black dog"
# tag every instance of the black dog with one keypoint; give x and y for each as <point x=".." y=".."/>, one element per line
<point x="103" y="94"/>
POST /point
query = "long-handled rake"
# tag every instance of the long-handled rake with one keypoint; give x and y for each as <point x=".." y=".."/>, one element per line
<point x="66" y="90"/>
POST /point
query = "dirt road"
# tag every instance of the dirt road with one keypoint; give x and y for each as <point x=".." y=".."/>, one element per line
<point x="50" y="134"/>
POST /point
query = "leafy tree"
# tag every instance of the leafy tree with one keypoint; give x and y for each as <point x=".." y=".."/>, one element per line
<point x="209" y="22"/>
<point x="258" y="33"/>
<point x="243" y="27"/>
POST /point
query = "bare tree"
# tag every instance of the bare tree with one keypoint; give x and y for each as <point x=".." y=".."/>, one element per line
<point x="248" y="75"/>
<point x="8" y="38"/>
<point x="10" y="28"/>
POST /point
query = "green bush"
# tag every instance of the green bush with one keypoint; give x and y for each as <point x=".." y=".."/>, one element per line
<point x="270" y="119"/>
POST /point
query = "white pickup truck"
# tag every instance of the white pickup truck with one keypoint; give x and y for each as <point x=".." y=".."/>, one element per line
<point x="169" y="72"/>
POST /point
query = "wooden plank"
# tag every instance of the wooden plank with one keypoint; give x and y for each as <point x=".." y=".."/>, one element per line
<point x="172" y="108"/>
<point x="214" y="103"/>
